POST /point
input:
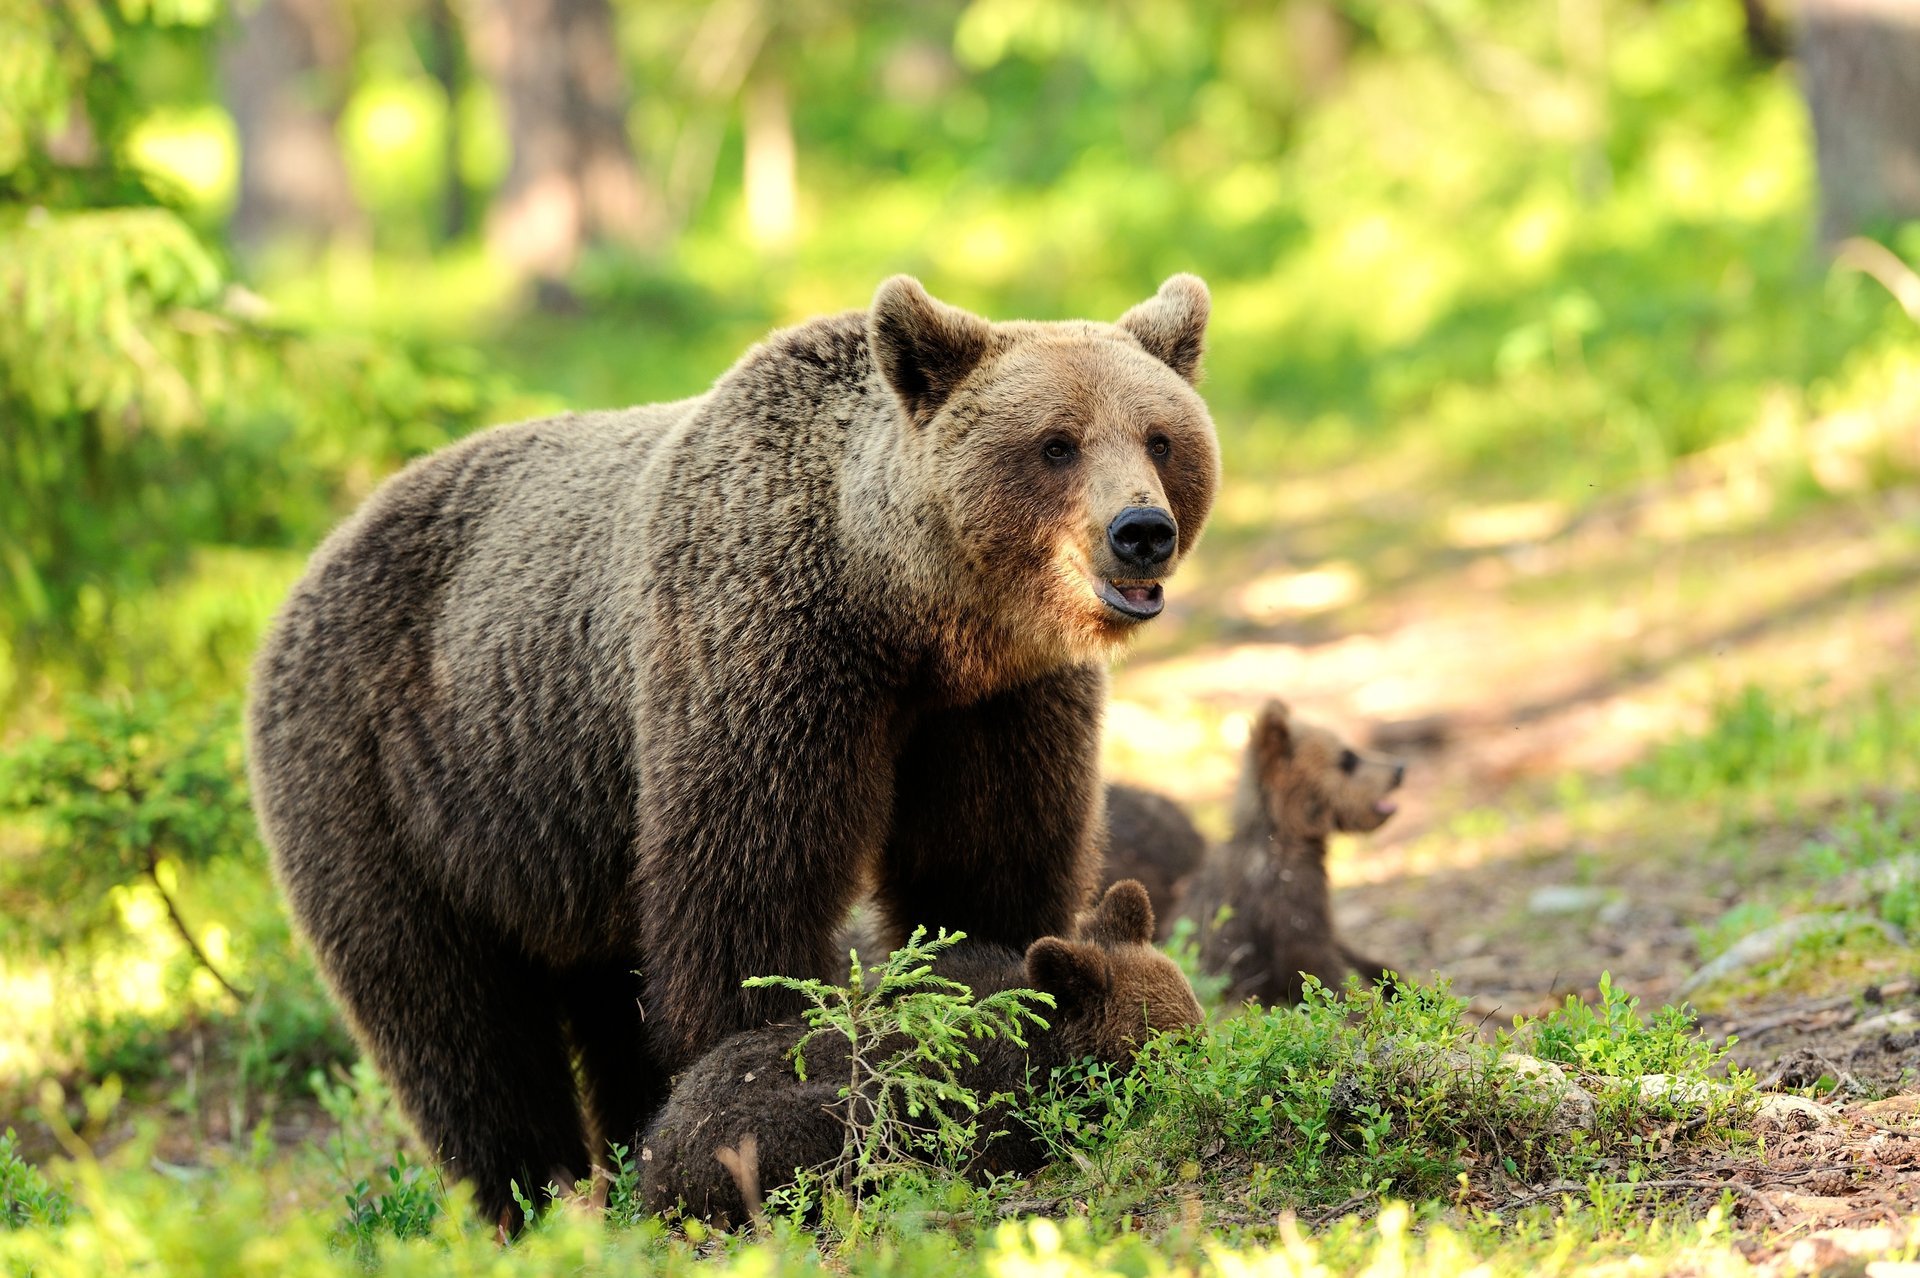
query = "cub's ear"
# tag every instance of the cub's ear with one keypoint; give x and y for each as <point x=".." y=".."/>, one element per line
<point x="1172" y="324"/>
<point x="924" y="348"/>
<point x="1273" y="731"/>
<point x="1075" y="975"/>
<point x="1123" y="917"/>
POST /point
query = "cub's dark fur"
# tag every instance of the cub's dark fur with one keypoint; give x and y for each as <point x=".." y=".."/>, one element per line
<point x="1151" y="839"/>
<point x="664" y="689"/>
<point x="1111" y="988"/>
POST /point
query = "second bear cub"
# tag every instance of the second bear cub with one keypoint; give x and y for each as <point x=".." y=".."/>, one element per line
<point x="1300" y="784"/>
<point x="1111" y="989"/>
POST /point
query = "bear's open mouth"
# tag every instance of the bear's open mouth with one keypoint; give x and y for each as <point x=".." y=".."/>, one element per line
<point x="1386" y="807"/>
<point x="1134" y="600"/>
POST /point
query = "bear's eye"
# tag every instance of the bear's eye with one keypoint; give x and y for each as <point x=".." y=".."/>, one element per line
<point x="1349" y="761"/>
<point x="1057" y="449"/>
<point x="1159" y="445"/>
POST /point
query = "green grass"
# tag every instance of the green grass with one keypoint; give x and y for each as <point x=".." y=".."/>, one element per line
<point x="1316" y="1112"/>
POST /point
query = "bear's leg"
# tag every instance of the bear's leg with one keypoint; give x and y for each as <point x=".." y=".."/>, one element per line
<point x="995" y="814"/>
<point x="751" y="853"/>
<point x="621" y="1087"/>
<point x="463" y="1029"/>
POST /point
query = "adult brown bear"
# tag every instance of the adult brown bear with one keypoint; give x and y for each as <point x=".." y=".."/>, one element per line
<point x="664" y="689"/>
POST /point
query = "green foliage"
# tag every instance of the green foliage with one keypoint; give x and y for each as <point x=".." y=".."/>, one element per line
<point x="154" y="411"/>
<point x="132" y="790"/>
<point x="1759" y="742"/>
<point x="1611" y="1038"/>
<point x="70" y="94"/>
<point x="1308" y="1108"/>
<point x="408" y="1203"/>
<point x="906" y="1031"/>
<point x="136" y="815"/>
<point x="1612" y="1046"/>
<point x="27" y="1198"/>
<point x="1875" y="851"/>
<point x="400" y="1198"/>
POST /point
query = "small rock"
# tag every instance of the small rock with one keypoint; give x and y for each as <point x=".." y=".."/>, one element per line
<point x="1888" y="1022"/>
<point x="1566" y="898"/>
<point x="1573" y="1108"/>
<point x="1784" y="1113"/>
<point x="1792" y="1114"/>
<point x="1832" y="1249"/>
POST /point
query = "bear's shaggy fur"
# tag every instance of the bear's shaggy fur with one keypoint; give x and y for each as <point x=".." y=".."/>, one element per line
<point x="1300" y="784"/>
<point x="1151" y="840"/>
<point x="664" y="689"/>
<point x="1111" y="989"/>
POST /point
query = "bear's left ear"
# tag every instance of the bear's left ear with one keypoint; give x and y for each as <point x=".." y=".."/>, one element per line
<point x="1273" y="732"/>
<point x="1123" y="917"/>
<point x="1172" y="324"/>
<point x="924" y="348"/>
<point x="1076" y="975"/>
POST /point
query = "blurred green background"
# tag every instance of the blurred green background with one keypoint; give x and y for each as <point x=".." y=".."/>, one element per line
<point x="256" y="255"/>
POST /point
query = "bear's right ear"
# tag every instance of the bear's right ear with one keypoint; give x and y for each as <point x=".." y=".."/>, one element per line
<point x="924" y="348"/>
<point x="1172" y="324"/>
<point x="1076" y="975"/>
<point x="1273" y="732"/>
<point x="1123" y="917"/>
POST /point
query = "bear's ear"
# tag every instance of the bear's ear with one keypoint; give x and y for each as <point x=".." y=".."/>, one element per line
<point x="924" y="348"/>
<point x="1123" y="917"/>
<point x="1076" y="975"/>
<point x="1273" y="732"/>
<point x="1172" y="324"/>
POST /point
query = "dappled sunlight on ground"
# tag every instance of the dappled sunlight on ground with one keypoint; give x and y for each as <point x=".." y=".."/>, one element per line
<point x="1522" y="655"/>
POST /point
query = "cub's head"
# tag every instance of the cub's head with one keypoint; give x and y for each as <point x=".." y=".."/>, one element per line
<point x="1312" y="783"/>
<point x="1066" y="468"/>
<point x="1111" y="988"/>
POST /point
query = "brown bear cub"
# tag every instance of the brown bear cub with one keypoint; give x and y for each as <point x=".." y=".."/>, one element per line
<point x="1261" y="900"/>
<point x="1111" y="990"/>
<point x="1152" y="840"/>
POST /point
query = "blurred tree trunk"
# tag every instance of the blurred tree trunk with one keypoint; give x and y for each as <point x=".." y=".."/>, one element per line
<point x="1860" y="65"/>
<point x="573" y="179"/>
<point x="1320" y="42"/>
<point x="1765" y="43"/>
<point x="447" y="64"/>
<point x="284" y="71"/>
<point x="769" y="181"/>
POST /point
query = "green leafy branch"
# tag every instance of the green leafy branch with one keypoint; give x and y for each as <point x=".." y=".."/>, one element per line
<point x="127" y="794"/>
<point x="908" y="1033"/>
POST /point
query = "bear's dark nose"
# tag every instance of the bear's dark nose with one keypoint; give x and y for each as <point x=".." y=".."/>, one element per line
<point x="1142" y="536"/>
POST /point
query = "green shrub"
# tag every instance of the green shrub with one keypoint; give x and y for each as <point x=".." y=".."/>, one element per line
<point x="408" y="1202"/>
<point x="1352" y="1098"/>
<point x="27" y="1198"/>
<point x="139" y="794"/>
<point x="907" y="1032"/>
<point x="130" y="792"/>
